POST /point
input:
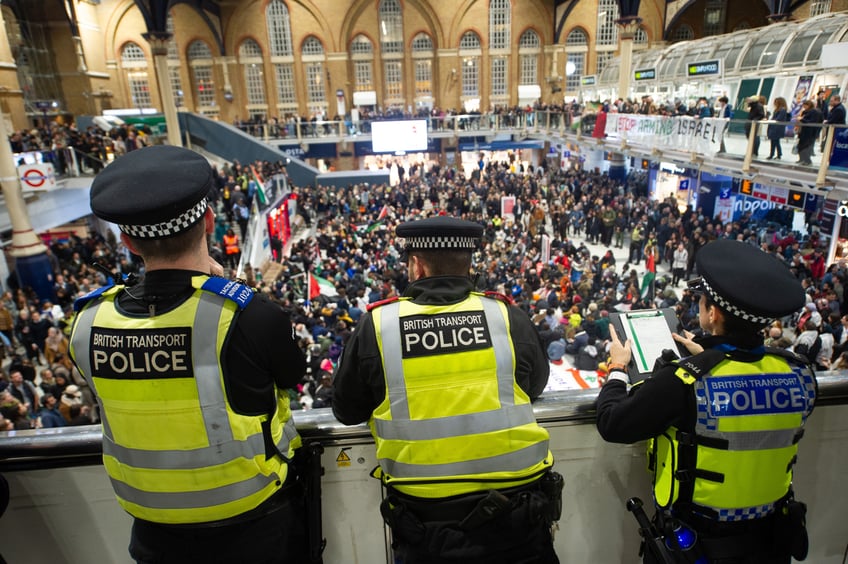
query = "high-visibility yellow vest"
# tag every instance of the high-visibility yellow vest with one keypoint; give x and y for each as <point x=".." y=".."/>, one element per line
<point x="738" y="462"/>
<point x="175" y="450"/>
<point x="453" y="420"/>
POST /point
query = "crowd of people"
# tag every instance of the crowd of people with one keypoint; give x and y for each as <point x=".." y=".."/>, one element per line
<point x="347" y="238"/>
<point x="79" y="151"/>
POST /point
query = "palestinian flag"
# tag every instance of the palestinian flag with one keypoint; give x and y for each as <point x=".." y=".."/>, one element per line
<point x="648" y="285"/>
<point x="260" y="186"/>
<point x="383" y="213"/>
<point x="320" y="286"/>
<point x="373" y="226"/>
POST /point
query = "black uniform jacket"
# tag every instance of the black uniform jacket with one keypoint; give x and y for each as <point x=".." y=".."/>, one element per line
<point x="260" y="352"/>
<point x="660" y="401"/>
<point x="360" y="383"/>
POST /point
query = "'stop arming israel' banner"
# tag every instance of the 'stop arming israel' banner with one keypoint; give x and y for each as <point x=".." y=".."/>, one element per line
<point x="681" y="133"/>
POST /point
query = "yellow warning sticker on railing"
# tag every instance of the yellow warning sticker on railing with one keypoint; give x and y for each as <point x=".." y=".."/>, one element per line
<point x="343" y="459"/>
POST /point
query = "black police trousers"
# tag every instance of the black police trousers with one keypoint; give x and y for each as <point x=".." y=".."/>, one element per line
<point x="276" y="536"/>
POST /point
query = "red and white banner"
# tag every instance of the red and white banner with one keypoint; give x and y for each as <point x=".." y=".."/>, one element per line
<point x="701" y="136"/>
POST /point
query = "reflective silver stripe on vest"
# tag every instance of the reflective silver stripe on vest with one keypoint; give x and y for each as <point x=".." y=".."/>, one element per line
<point x="511" y="462"/>
<point x="289" y="434"/>
<point x="503" y="351"/>
<point x="446" y="427"/>
<point x="754" y="440"/>
<point x="82" y="357"/>
<point x="193" y="500"/>
<point x="187" y="459"/>
<point x="393" y="361"/>
<point x="210" y="392"/>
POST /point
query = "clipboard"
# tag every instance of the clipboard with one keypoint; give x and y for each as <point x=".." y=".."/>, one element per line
<point x="649" y="331"/>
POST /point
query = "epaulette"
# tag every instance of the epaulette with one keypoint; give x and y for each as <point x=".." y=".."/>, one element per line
<point x="498" y="296"/>
<point x="791" y="356"/>
<point x="230" y="289"/>
<point x="700" y="364"/>
<point x="369" y="307"/>
<point x="80" y="302"/>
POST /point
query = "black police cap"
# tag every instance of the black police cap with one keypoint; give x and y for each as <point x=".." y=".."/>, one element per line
<point x="747" y="282"/>
<point x="153" y="193"/>
<point x="440" y="233"/>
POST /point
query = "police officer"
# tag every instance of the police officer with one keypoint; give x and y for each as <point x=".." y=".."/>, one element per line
<point x="445" y="376"/>
<point x="724" y="423"/>
<point x="190" y="372"/>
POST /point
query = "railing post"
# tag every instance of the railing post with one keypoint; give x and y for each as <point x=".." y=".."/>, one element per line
<point x="75" y="163"/>
<point x="749" y="152"/>
<point x="830" y="134"/>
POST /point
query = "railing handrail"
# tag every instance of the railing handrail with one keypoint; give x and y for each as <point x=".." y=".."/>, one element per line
<point x="51" y="448"/>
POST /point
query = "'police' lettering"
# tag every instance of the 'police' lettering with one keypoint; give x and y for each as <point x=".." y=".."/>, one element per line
<point x="141" y="353"/>
<point x="444" y="333"/>
<point x="755" y="395"/>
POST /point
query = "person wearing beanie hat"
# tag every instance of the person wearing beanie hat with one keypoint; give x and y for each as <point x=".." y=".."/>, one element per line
<point x="725" y="422"/>
<point x="187" y="368"/>
<point x="445" y="376"/>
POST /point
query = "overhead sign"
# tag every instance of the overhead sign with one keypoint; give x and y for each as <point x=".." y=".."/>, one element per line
<point x="703" y="68"/>
<point x="37" y="177"/>
<point x="645" y="74"/>
<point x="588" y="80"/>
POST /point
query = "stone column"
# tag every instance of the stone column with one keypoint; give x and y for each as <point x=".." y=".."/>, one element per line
<point x="159" y="48"/>
<point x="627" y="30"/>
<point x="29" y="253"/>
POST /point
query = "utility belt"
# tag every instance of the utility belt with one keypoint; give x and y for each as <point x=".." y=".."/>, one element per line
<point x="691" y="536"/>
<point x="415" y="520"/>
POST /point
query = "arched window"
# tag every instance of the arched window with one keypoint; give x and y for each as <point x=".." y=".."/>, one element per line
<point x="278" y="22"/>
<point x="499" y="24"/>
<point x="250" y="58"/>
<point x="499" y="44"/>
<point x="422" y="54"/>
<point x="134" y="64"/>
<point x="576" y="47"/>
<point x="640" y="38"/>
<point x="714" y="15"/>
<point x="176" y="82"/>
<point x="203" y="83"/>
<point x="819" y="7"/>
<point x="312" y="54"/>
<point x="529" y="48"/>
<point x="391" y="46"/>
<point x="469" y="53"/>
<point x="362" y="53"/>
<point x="683" y="32"/>
<point x="279" y="28"/>
<point x="608" y="12"/>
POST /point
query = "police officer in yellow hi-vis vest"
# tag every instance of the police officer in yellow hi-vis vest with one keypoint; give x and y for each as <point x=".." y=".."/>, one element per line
<point x="445" y="376"/>
<point x="190" y="370"/>
<point x="724" y="423"/>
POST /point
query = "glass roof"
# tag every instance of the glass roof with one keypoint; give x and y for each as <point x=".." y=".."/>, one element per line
<point x="784" y="44"/>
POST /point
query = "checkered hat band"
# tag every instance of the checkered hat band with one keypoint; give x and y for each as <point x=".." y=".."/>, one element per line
<point x="167" y="228"/>
<point x="733" y="309"/>
<point x="441" y="243"/>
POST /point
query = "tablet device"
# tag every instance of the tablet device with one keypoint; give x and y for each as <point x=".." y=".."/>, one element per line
<point x="649" y="331"/>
